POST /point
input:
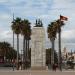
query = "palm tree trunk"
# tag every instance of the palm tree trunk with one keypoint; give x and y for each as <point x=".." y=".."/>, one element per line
<point x="24" y="51"/>
<point x="28" y="52"/>
<point x="28" y="49"/>
<point x="59" y="57"/>
<point x="52" y="53"/>
<point x="17" y="52"/>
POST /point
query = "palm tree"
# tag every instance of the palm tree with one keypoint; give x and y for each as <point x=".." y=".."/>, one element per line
<point x="51" y="30"/>
<point x="48" y="56"/>
<point x="26" y="32"/>
<point x="58" y="26"/>
<point x="16" y="24"/>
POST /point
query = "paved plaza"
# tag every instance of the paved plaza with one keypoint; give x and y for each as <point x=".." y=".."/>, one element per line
<point x="35" y="72"/>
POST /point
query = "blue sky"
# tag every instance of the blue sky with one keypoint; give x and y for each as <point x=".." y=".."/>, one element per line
<point x="47" y="10"/>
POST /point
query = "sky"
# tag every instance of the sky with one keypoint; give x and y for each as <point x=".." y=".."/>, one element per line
<point x="46" y="10"/>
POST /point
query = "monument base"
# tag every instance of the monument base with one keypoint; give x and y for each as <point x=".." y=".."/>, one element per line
<point x="38" y="68"/>
<point x="38" y="52"/>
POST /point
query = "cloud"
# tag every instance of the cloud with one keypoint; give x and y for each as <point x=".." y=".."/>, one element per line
<point x="63" y="4"/>
<point x="68" y="34"/>
<point x="5" y="34"/>
<point x="2" y="1"/>
<point x="47" y="10"/>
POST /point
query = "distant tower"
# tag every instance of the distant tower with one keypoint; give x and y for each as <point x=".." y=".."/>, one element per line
<point x="65" y="53"/>
<point x="71" y="53"/>
<point x="74" y="55"/>
<point x="64" y="50"/>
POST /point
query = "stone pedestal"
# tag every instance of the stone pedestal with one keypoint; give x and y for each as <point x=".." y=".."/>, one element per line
<point x="38" y="53"/>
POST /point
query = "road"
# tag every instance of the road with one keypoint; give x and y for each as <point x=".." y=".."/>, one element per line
<point x="35" y="72"/>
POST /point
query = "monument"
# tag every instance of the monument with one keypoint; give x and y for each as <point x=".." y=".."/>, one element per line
<point x="38" y="53"/>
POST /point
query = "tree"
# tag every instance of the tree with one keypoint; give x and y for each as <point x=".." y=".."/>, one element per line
<point x="58" y="25"/>
<point x="4" y="46"/>
<point x="7" y="51"/>
<point x="51" y="30"/>
<point x="16" y="27"/>
<point x="48" y="56"/>
<point x="56" y="28"/>
<point x="12" y="53"/>
<point x="26" y="32"/>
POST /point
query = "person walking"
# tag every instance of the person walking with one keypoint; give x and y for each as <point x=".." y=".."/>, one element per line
<point x="54" y="67"/>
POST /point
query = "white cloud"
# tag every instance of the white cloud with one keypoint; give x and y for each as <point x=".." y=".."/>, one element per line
<point x="68" y="34"/>
<point x="5" y="16"/>
<point x="63" y="4"/>
<point x="5" y="34"/>
<point x="2" y="1"/>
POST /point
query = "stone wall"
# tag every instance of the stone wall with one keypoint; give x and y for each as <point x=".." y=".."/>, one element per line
<point x="38" y="53"/>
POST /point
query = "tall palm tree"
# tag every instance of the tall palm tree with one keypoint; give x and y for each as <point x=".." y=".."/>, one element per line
<point x="51" y="30"/>
<point x="16" y="24"/>
<point x="58" y="25"/>
<point x="26" y="32"/>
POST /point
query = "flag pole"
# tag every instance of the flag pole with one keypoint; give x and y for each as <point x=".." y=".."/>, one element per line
<point x="13" y="44"/>
<point x="13" y="32"/>
<point x="59" y="39"/>
<point x="59" y="35"/>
